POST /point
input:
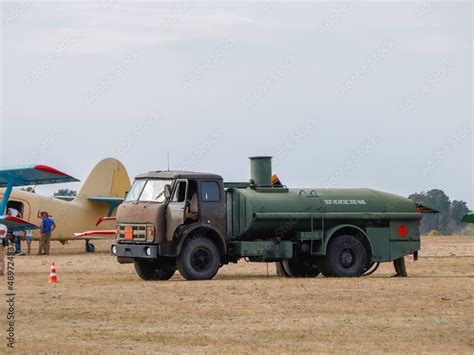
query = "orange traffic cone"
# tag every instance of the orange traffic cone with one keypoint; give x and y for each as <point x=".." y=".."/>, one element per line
<point x="52" y="276"/>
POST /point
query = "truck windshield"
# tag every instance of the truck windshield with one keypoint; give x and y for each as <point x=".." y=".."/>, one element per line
<point x="148" y="190"/>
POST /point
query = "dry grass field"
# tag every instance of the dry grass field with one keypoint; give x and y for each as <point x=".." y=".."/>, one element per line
<point x="100" y="306"/>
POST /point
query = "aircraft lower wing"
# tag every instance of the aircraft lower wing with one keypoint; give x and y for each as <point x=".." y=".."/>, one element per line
<point x="468" y="218"/>
<point x="97" y="235"/>
<point x="16" y="224"/>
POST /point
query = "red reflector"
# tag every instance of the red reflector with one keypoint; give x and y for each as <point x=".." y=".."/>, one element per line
<point x="403" y="231"/>
<point x="2" y="232"/>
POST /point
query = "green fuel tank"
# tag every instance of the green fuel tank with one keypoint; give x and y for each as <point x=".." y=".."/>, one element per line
<point x="265" y="211"/>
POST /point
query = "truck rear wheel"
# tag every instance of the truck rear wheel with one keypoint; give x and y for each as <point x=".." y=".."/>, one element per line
<point x="153" y="271"/>
<point x="346" y="257"/>
<point x="199" y="259"/>
<point x="306" y="267"/>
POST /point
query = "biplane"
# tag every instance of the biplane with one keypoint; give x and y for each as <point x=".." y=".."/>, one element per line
<point x="94" y="205"/>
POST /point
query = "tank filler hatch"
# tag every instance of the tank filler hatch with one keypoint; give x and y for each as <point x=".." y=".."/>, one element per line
<point x="261" y="178"/>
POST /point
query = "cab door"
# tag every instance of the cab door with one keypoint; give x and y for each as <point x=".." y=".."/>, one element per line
<point x="175" y="211"/>
<point x="212" y="203"/>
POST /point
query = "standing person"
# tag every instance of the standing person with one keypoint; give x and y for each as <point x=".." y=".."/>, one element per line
<point x="400" y="268"/>
<point x="47" y="227"/>
<point x="29" y="239"/>
<point x="3" y="245"/>
<point x="13" y="212"/>
<point x="16" y="234"/>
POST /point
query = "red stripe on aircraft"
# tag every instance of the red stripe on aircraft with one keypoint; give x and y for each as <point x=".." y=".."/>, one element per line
<point x="50" y="170"/>
<point x="102" y="219"/>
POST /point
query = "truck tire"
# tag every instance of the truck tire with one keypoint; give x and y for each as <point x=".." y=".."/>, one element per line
<point x="152" y="271"/>
<point x="199" y="259"/>
<point x="306" y="267"/>
<point x="346" y="257"/>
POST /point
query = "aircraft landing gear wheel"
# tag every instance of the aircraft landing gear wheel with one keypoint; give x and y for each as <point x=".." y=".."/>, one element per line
<point x="90" y="248"/>
<point x="346" y="257"/>
<point x="199" y="259"/>
<point x="153" y="271"/>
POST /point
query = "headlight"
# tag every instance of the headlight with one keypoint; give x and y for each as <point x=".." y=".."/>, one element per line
<point x="114" y="249"/>
<point x="150" y="231"/>
<point x="148" y="251"/>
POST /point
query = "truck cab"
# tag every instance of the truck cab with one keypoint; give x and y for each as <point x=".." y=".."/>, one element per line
<point x="164" y="210"/>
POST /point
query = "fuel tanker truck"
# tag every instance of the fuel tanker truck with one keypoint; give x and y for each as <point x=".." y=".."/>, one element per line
<point x="196" y="223"/>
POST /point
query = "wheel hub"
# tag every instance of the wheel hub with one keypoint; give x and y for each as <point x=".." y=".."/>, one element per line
<point x="200" y="259"/>
<point x="346" y="258"/>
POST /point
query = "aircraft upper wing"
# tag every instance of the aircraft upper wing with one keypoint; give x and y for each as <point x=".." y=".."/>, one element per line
<point x="16" y="224"/>
<point x="468" y="218"/>
<point x="33" y="175"/>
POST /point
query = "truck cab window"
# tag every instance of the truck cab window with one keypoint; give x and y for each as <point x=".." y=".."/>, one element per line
<point x="180" y="192"/>
<point x="136" y="190"/>
<point x="210" y="191"/>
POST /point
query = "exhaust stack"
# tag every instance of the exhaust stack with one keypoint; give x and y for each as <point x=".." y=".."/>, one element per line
<point x="261" y="170"/>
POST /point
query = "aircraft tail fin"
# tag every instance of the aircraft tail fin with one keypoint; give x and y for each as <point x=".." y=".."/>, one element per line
<point x="108" y="179"/>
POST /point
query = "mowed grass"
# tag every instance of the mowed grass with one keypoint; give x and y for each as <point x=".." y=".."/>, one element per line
<point x="101" y="306"/>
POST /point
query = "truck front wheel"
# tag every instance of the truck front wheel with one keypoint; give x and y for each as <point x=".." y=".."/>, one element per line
<point x="199" y="259"/>
<point x="346" y="257"/>
<point x="153" y="271"/>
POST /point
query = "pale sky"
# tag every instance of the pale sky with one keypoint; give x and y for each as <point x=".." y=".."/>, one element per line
<point x="343" y="94"/>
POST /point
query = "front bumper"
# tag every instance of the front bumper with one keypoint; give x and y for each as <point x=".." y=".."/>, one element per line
<point x="134" y="251"/>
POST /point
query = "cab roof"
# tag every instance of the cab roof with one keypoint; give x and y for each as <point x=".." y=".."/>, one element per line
<point x="177" y="174"/>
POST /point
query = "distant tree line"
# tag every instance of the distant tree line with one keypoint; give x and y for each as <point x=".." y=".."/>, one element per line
<point x="451" y="212"/>
<point x="65" y="192"/>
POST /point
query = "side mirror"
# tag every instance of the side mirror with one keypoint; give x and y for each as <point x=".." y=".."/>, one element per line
<point x="167" y="191"/>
